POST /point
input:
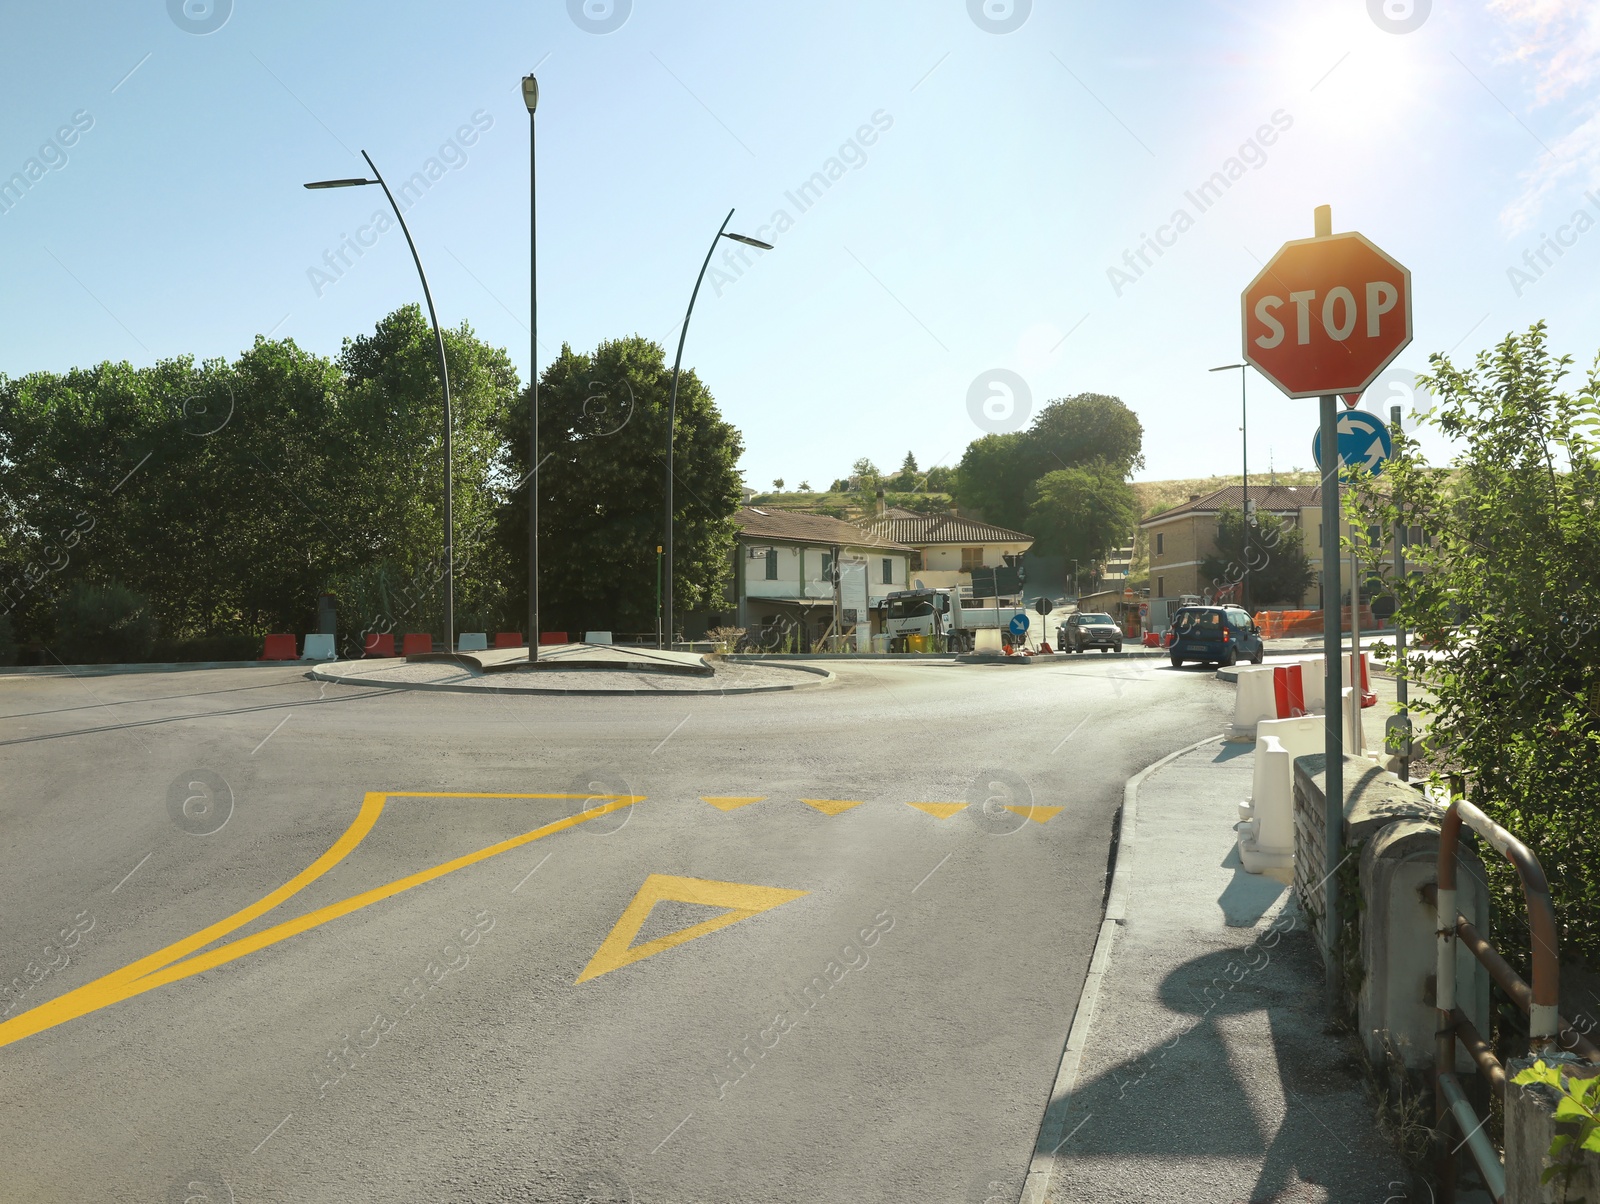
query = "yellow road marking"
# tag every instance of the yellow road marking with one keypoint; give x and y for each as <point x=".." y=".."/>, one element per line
<point x="1039" y="815"/>
<point x="728" y="802"/>
<point x="832" y="806"/>
<point x="166" y="965"/>
<point x="742" y="900"/>
<point x="938" y="810"/>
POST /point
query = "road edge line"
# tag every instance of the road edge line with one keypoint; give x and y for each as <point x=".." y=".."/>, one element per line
<point x="1041" y="1168"/>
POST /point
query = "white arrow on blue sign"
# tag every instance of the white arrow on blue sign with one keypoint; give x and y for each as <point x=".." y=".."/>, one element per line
<point x="1019" y="625"/>
<point x="1364" y="442"/>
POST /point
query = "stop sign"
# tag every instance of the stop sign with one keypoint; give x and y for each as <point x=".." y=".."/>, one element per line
<point x="1326" y="315"/>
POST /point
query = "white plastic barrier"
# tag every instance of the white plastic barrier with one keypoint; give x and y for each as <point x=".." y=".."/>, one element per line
<point x="1313" y="679"/>
<point x="1266" y="822"/>
<point x="473" y="641"/>
<point x="597" y="637"/>
<point x="1267" y="692"/>
<point x="1254" y="699"/>
<point x="988" y="640"/>
<point x="1313" y="675"/>
<point x="319" y="647"/>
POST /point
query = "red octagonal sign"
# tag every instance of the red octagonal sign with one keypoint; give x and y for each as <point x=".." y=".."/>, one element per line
<point x="1327" y="315"/>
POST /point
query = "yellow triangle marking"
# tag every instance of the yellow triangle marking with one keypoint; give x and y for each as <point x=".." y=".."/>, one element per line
<point x="938" y="810"/>
<point x="1039" y="815"/>
<point x="730" y="802"/>
<point x="832" y="806"/>
<point x="186" y="957"/>
<point x="742" y="901"/>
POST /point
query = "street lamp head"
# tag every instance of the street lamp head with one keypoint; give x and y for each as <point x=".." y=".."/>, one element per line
<point x="1226" y="367"/>
<point x="339" y="183"/>
<point x="530" y="92"/>
<point x="748" y="241"/>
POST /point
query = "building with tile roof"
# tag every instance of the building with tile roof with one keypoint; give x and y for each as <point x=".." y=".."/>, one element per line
<point x="948" y="547"/>
<point x="1182" y="536"/>
<point x="783" y="583"/>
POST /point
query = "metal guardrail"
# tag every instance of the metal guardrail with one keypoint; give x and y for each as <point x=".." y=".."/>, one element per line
<point x="1545" y="1025"/>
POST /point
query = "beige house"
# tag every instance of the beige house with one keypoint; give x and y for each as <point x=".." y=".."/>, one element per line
<point x="946" y="548"/>
<point x="1182" y="537"/>
<point x="783" y="575"/>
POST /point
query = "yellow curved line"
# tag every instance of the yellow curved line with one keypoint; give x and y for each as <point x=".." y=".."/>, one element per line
<point x="166" y="965"/>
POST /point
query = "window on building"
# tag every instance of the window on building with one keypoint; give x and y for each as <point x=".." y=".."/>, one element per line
<point x="916" y="562"/>
<point x="1161" y="544"/>
<point x="827" y="566"/>
<point x="971" y="558"/>
<point x="1161" y="587"/>
<point x="772" y="564"/>
<point x="1319" y="538"/>
<point x="888" y="570"/>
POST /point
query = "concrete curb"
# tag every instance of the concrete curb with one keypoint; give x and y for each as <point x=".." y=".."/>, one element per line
<point x="109" y="670"/>
<point x="1053" y="1127"/>
<point x="497" y="688"/>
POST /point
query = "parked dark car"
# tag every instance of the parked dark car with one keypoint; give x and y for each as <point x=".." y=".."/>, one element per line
<point x="1082" y="631"/>
<point x="1215" y="635"/>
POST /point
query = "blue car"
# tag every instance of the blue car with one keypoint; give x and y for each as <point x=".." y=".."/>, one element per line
<point x="1215" y="635"/>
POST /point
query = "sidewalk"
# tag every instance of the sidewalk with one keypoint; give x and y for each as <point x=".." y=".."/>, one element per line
<point x="1203" y="1071"/>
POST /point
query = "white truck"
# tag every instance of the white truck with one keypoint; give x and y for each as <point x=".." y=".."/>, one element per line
<point x="942" y="614"/>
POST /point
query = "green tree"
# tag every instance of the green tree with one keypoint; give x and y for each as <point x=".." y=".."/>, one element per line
<point x="602" y="425"/>
<point x="992" y="479"/>
<point x="1081" y="513"/>
<point x="1505" y="600"/>
<point x="262" y="483"/>
<point x="997" y="473"/>
<point x="777" y="483"/>
<point x="1083" y="429"/>
<point x="909" y="479"/>
<point x="1273" y="553"/>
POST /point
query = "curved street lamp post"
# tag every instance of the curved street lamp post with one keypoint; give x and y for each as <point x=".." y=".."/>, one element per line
<point x="672" y="410"/>
<point x="444" y="376"/>
<point x="530" y="96"/>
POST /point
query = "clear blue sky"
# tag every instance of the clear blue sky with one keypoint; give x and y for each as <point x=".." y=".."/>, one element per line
<point x="1009" y="171"/>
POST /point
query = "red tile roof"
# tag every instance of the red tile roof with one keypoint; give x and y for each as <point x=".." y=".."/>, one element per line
<point x="787" y="526"/>
<point x="1280" y="499"/>
<point x="919" y="530"/>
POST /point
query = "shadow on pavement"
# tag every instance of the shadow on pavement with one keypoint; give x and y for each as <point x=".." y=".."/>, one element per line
<point x="1240" y="1071"/>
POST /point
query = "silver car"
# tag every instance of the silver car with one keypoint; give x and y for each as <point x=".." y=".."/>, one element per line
<point x="1090" y="631"/>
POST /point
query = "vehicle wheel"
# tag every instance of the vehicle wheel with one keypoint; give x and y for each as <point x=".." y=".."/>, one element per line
<point x="1119" y="647"/>
<point x="1259" y="656"/>
<point x="1177" y="662"/>
<point x="1231" y="659"/>
<point x="1104" y="648"/>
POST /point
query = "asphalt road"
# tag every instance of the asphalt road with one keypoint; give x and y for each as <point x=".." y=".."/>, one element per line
<point x="343" y="994"/>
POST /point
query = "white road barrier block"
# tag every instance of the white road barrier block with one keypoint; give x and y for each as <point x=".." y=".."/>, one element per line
<point x="597" y="637"/>
<point x="988" y="640"/>
<point x="319" y="647"/>
<point x="473" y="641"/>
<point x="1254" y="699"/>
<point x="1266" y="822"/>
<point x="1312" y="683"/>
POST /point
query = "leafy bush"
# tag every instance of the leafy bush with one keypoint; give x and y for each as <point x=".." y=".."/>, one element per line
<point x="8" y="642"/>
<point x="103" y="624"/>
<point x="1506" y="601"/>
<point x="207" y="648"/>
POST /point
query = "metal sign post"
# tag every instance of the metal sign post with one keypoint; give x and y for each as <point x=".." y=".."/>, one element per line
<point x="1401" y="693"/>
<point x="1333" y="739"/>
<point x="1325" y="316"/>
<point x="1355" y="648"/>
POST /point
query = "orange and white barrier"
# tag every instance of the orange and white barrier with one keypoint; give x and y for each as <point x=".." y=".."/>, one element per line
<point x="1266" y="821"/>
<point x="1267" y="692"/>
